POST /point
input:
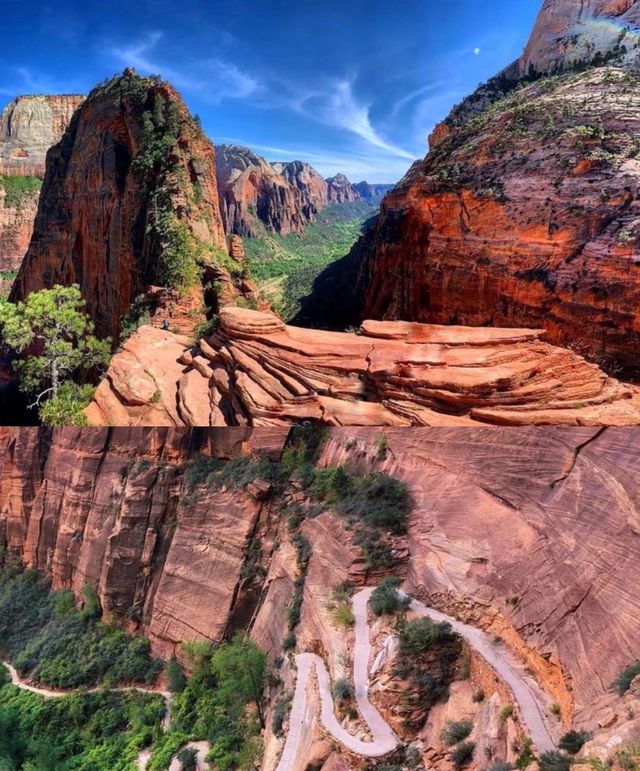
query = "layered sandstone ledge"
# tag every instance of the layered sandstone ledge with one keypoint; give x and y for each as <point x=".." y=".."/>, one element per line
<point x="256" y="370"/>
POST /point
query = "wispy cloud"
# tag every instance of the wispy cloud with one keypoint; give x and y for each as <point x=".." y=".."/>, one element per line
<point x="339" y="106"/>
<point x="214" y="79"/>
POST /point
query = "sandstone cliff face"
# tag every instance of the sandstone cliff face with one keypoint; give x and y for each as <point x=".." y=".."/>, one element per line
<point x="310" y="183"/>
<point x="115" y="508"/>
<point x="529" y="533"/>
<point x="101" y="193"/>
<point x="341" y="190"/>
<point x="256" y="370"/>
<point x="16" y="227"/>
<point x="567" y="33"/>
<point x="29" y="126"/>
<point x="252" y="191"/>
<point x="524" y="213"/>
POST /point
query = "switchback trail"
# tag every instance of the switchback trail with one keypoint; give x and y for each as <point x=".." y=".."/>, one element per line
<point x="531" y="705"/>
<point x="202" y="748"/>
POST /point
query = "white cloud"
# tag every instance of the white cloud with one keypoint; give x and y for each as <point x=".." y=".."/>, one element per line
<point x="230" y="81"/>
<point x="214" y="79"/>
<point x="477" y="51"/>
<point x="339" y="107"/>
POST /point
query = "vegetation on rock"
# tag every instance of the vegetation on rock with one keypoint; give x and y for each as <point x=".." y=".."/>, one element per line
<point x="17" y="189"/>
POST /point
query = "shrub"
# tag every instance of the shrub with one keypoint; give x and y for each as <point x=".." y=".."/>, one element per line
<point x="18" y="189"/>
<point x="462" y="755"/>
<point x="502" y="766"/>
<point x="506" y="712"/>
<point x="175" y="676"/>
<point x="555" y="708"/>
<point x="67" y="408"/>
<point x="573" y="741"/>
<point x="421" y="634"/>
<point x="385" y="598"/>
<point x="526" y="756"/>
<point x="478" y="696"/>
<point x="554" y="761"/>
<point x="289" y="642"/>
<point x="344" y="615"/>
<point x="188" y="759"/>
<point x="343" y="690"/>
<point x="626" y="677"/>
<point x="456" y="731"/>
<point x="280" y="712"/>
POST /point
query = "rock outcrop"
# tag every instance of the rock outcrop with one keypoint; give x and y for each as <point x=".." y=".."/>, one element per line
<point x="567" y="34"/>
<point x="129" y="197"/>
<point x="116" y="508"/>
<point x="259" y="371"/>
<point x="530" y="534"/>
<point x="252" y="191"/>
<point x="525" y="212"/>
<point x="310" y="183"/>
<point x="369" y="192"/>
<point x="29" y="126"/>
<point x="341" y="190"/>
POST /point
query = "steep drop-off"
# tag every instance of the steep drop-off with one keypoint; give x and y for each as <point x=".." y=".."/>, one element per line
<point x="528" y="534"/>
<point x="259" y="371"/>
<point x="525" y="211"/>
<point x="113" y="508"/>
<point x="129" y="199"/>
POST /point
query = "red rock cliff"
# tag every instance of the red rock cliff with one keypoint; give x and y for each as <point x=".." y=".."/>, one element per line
<point x="525" y="211"/>
<point x="112" y="507"/>
<point x="102" y="190"/>
<point x="253" y="194"/>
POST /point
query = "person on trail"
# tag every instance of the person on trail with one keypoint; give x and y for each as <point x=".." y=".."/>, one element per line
<point x="165" y="324"/>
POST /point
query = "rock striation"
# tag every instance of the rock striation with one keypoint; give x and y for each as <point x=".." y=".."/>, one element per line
<point x="116" y="508"/>
<point x="256" y="370"/>
<point x="29" y="126"/>
<point x="107" y="219"/>
<point x="568" y="34"/>
<point x="525" y="212"/>
<point x="313" y="187"/>
<point x="252" y="191"/>
<point x="16" y="227"/>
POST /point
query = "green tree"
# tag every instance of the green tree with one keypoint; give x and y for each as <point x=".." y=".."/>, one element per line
<point x="240" y="669"/>
<point x="175" y="676"/>
<point x="52" y="323"/>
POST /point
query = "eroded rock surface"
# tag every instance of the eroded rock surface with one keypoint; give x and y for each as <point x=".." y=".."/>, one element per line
<point x="29" y="126"/>
<point x="116" y="508"/>
<point x="102" y="189"/>
<point x="259" y="371"/>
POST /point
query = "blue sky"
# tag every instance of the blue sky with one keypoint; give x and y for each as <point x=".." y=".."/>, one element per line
<point x="347" y="85"/>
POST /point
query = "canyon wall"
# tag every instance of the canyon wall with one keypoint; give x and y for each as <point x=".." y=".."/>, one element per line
<point x="252" y="191"/>
<point x="528" y="533"/>
<point x="525" y="211"/>
<point x="16" y="226"/>
<point x="29" y="126"/>
<point x="101" y="193"/>
<point x="115" y="508"/>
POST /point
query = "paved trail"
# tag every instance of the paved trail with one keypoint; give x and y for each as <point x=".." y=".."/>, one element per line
<point x="532" y="706"/>
<point x="143" y="758"/>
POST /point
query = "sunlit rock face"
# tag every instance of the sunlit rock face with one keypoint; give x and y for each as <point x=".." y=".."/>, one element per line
<point x="29" y="126"/>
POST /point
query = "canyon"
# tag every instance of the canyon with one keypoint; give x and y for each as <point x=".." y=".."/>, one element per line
<point x="525" y="210"/>
<point x="526" y="535"/>
<point x="256" y="370"/>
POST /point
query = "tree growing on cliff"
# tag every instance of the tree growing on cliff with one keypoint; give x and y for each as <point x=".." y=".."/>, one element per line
<point x="53" y="325"/>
